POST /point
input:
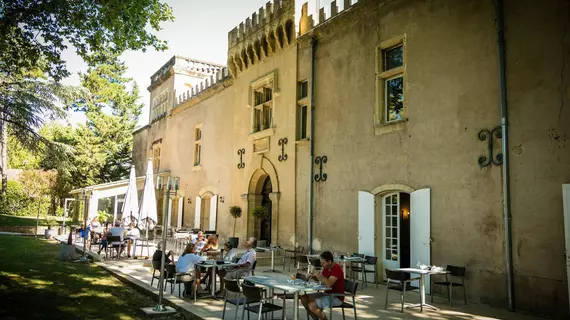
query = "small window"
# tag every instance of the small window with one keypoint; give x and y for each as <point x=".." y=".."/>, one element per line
<point x="263" y="109"/>
<point x="197" y="145"/>
<point x="393" y="58"/>
<point x="302" y="122"/>
<point x="303" y="89"/>
<point x="390" y="82"/>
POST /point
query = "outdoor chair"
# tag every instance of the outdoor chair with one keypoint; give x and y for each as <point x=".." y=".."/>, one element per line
<point x="352" y="265"/>
<point x="454" y="272"/>
<point x="142" y="243"/>
<point x="349" y="291"/>
<point x="302" y="262"/>
<point x="177" y="278"/>
<point x="315" y="263"/>
<point x="114" y="243"/>
<point x="370" y="261"/>
<point x="253" y="268"/>
<point x="397" y="280"/>
<point x="155" y="267"/>
<point x="233" y="287"/>
<point x="260" y="305"/>
<point x="290" y="256"/>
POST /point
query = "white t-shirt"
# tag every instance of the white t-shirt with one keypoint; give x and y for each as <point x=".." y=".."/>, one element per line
<point x="187" y="262"/>
<point x="133" y="233"/>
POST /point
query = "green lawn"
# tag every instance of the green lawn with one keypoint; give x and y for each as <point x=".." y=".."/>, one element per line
<point x="34" y="284"/>
<point x="16" y="221"/>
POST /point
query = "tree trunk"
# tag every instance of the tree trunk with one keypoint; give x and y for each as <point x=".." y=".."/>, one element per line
<point x="3" y="155"/>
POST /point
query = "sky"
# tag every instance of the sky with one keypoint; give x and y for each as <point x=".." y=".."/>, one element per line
<point x="199" y="31"/>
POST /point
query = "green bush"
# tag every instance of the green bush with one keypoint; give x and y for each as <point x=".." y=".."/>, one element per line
<point x="17" y="202"/>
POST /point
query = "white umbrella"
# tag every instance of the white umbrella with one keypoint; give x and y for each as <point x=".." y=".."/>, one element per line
<point x="147" y="212"/>
<point x="130" y="210"/>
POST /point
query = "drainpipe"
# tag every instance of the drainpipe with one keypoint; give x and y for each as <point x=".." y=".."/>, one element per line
<point x="313" y="43"/>
<point x="505" y="145"/>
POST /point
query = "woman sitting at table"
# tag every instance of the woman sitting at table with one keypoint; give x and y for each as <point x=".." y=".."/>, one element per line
<point x="210" y="248"/>
<point x="186" y="264"/>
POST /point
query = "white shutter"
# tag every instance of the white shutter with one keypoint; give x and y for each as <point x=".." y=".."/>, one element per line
<point x="180" y="212"/>
<point x="213" y="212"/>
<point x="566" y="208"/>
<point x="197" y="213"/>
<point x="420" y="228"/>
<point x="366" y="223"/>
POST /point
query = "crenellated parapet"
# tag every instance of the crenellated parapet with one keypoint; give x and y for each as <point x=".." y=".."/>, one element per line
<point x="266" y="32"/>
<point x="186" y="66"/>
<point x="308" y="21"/>
<point x="212" y="81"/>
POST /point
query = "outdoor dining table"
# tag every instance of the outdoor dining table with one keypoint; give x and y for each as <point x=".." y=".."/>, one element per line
<point x="213" y="265"/>
<point x="283" y="282"/>
<point x="272" y="249"/>
<point x="350" y="259"/>
<point x="422" y="273"/>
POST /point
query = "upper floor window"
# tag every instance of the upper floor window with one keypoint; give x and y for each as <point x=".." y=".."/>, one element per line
<point x="156" y="152"/>
<point x="262" y="93"/>
<point x="303" y="89"/>
<point x="197" y="145"/>
<point x="390" y="82"/>
<point x="263" y="108"/>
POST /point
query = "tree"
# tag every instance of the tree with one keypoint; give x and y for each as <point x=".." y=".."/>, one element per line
<point x="33" y="30"/>
<point x="33" y="34"/>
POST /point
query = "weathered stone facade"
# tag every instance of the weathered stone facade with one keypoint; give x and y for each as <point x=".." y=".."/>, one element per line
<point x="451" y="92"/>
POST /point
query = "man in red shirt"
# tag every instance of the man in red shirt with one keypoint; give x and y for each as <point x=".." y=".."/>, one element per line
<point x="332" y="277"/>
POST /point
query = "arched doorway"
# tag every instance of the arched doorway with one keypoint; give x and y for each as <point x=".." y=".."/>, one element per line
<point x="265" y="223"/>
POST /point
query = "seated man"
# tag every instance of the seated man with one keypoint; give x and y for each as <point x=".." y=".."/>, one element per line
<point x="118" y="231"/>
<point x="331" y="276"/>
<point x="245" y="264"/>
<point x="157" y="256"/>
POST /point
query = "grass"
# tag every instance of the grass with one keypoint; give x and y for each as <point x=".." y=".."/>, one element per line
<point x="34" y="284"/>
<point x="23" y="221"/>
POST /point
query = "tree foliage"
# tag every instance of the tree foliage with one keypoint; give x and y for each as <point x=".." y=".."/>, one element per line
<point x="33" y="30"/>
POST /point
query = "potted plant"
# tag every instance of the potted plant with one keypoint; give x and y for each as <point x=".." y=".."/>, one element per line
<point x="103" y="216"/>
<point x="260" y="212"/>
<point x="235" y="211"/>
<point x="50" y="222"/>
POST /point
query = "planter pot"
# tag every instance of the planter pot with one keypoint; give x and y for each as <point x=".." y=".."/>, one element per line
<point x="234" y="241"/>
<point x="50" y="233"/>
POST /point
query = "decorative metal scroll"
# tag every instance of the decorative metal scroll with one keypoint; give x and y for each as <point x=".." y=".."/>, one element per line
<point x="497" y="159"/>
<point x="282" y="142"/>
<point x="240" y="152"/>
<point x="321" y="176"/>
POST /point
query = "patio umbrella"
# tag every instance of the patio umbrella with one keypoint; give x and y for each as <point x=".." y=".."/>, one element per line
<point x="130" y="209"/>
<point x="147" y="211"/>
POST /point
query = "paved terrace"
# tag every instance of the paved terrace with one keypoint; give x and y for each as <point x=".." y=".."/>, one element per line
<point x="370" y="301"/>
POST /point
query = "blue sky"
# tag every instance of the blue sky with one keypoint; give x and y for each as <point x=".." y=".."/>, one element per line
<point x="200" y="31"/>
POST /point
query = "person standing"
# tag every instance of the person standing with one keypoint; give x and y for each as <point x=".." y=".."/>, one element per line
<point x="331" y="276"/>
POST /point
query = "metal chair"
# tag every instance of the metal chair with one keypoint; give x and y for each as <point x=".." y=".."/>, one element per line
<point x="398" y="281"/>
<point x="155" y="267"/>
<point x="356" y="265"/>
<point x="112" y="244"/>
<point x="315" y="263"/>
<point x="255" y="294"/>
<point x="175" y="278"/>
<point x="350" y="288"/>
<point x="253" y="268"/>
<point x="233" y="287"/>
<point x="302" y="261"/>
<point x="454" y="272"/>
<point x="290" y="256"/>
<point x="370" y="261"/>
